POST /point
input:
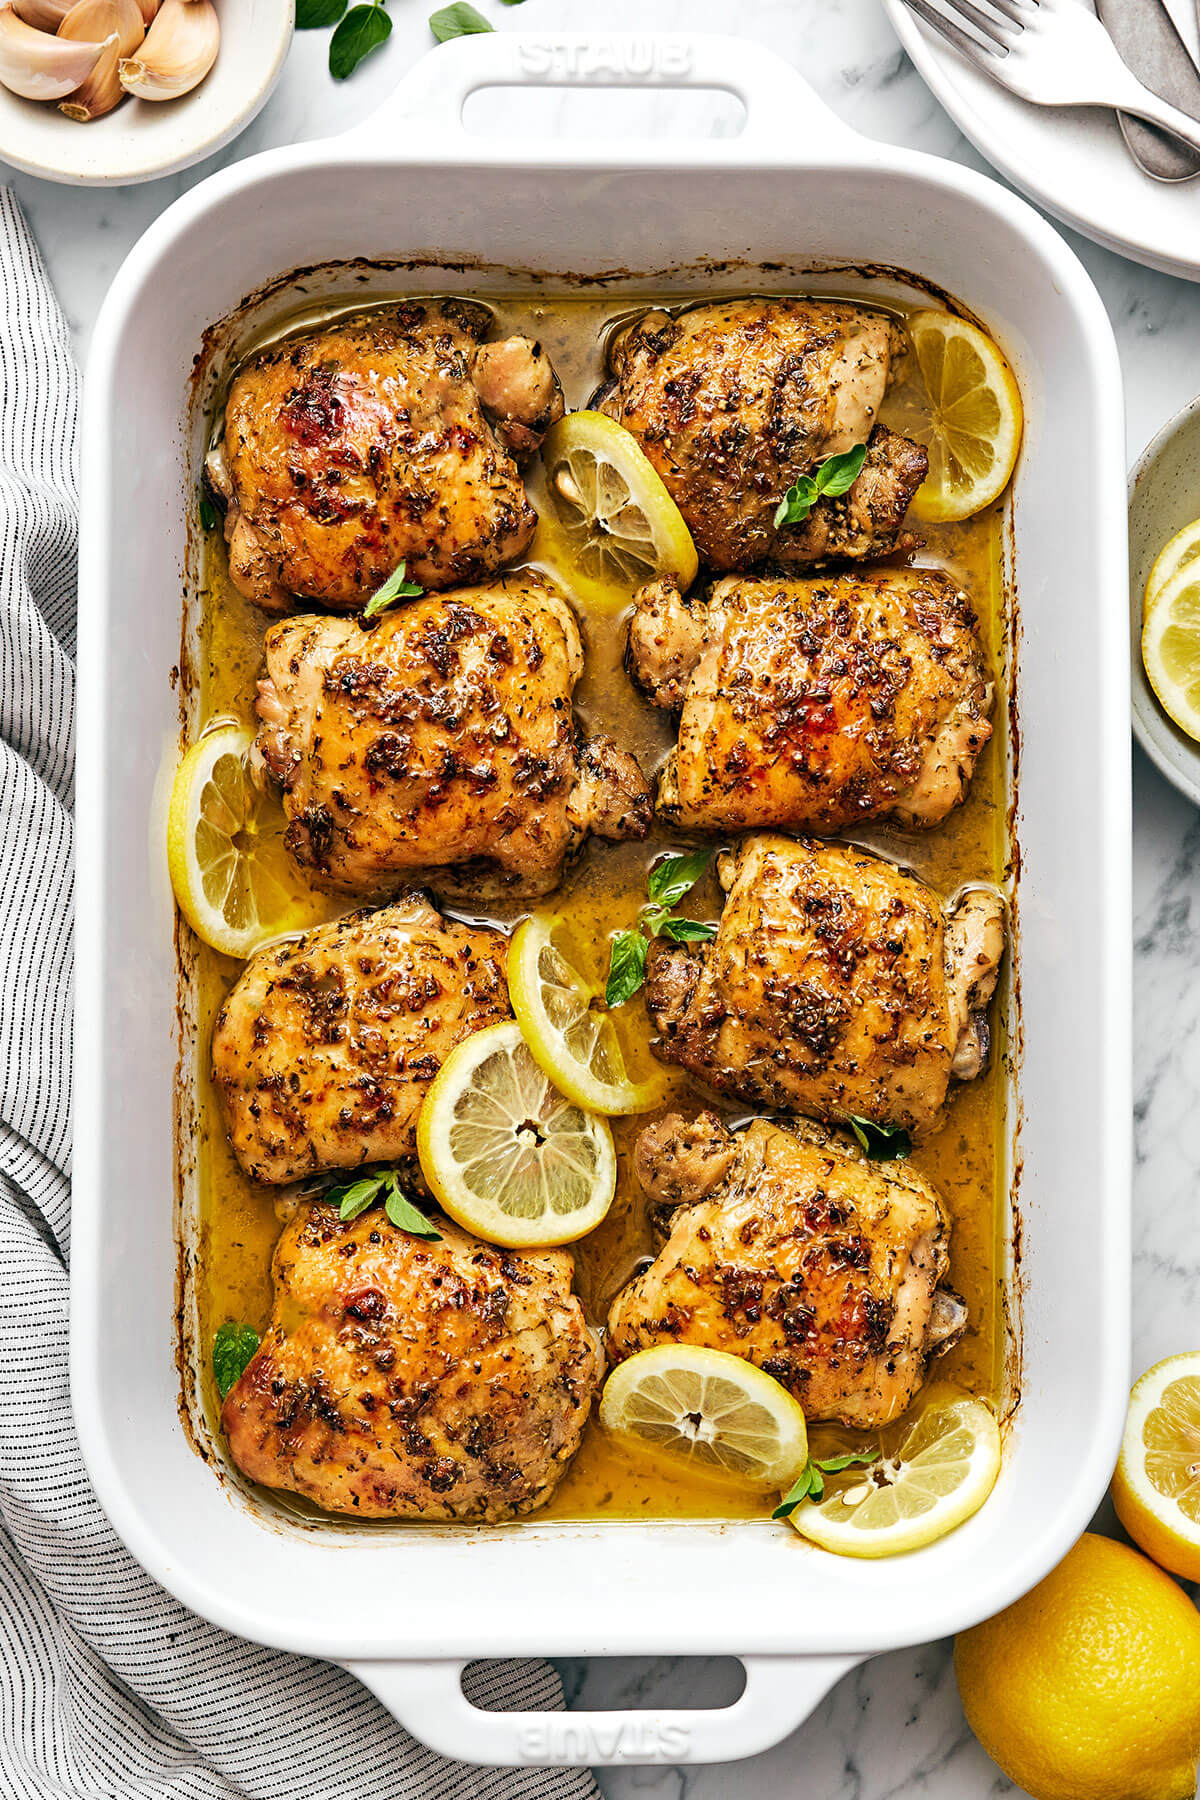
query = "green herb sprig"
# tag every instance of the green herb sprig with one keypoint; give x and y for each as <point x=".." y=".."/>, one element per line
<point x="810" y="1484"/>
<point x="233" y="1347"/>
<point x="208" y="512"/>
<point x="882" y="1143"/>
<point x="396" y="587"/>
<point x="360" y="29"/>
<point x="667" y="882"/>
<point x="834" y="476"/>
<point x="357" y="1196"/>
<point x="458" y="20"/>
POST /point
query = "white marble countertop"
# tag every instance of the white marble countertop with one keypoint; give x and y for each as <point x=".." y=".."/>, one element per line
<point x="894" y="1728"/>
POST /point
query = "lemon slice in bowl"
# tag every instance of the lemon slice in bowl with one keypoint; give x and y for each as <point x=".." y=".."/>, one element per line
<point x="715" y="1412"/>
<point x="1178" y="553"/>
<point x="507" y="1155"/>
<point x="1171" y="648"/>
<point x="563" y="1020"/>
<point x="1156" y="1489"/>
<point x="606" y="522"/>
<point x="234" y="881"/>
<point x="932" y="1472"/>
<point x="966" y="410"/>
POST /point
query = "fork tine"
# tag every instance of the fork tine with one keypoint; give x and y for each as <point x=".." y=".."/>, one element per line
<point x="994" y="30"/>
<point x="981" y="54"/>
<point x="1014" y="10"/>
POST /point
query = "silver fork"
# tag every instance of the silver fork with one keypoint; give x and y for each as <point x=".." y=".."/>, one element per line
<point x="1052" y="52"/>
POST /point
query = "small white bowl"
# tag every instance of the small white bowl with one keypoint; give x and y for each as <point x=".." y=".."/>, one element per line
<point x="1164" y="496"/>
<point x="141" y="139"/>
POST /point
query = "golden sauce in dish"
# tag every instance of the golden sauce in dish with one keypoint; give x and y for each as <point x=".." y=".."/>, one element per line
<point x="966" y="1160"/>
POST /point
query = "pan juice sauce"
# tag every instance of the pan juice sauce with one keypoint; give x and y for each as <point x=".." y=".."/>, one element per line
<point x="966" y="1161"/>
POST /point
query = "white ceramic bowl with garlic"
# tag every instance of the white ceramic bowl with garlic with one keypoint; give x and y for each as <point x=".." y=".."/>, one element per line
<point x="199" y="74"/>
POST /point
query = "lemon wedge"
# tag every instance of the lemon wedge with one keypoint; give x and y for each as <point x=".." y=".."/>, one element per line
<point x="964" y="405"/>
<point x="933" y="1471"/>
<point x="1156" y="1489"/>
<point x="563" y="1020"/>
<point x="507" y="1155"/>
<point x="234" y="881"/>
<point x="1180" y="551"/>
<point x="606" y="522"/>
<point x="715" y="1412"/>
<point x="1171" y="647"/>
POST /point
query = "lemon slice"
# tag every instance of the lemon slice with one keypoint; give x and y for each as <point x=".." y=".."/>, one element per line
<point x="233" y="879"/>
<point x="1180" y="551"/>
<point x="1156" y="1489"/>
<point x="563" y="1020"/>
<point x="933" y="1472"/>
<point x="606" y="522"/>
<point x="713" y="1411"/>
<point x="1171" y="648"/>
<point x="505" y="1153"/>
<point x="966" y="410"/>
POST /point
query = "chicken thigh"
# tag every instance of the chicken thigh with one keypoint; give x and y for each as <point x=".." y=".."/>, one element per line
<point x="381" y="438"/>
<point x="324" y="1049"/>
<point x="734" y="400"/>
<point x="837" y="986"/>
<point x="790" y="1248"/>
<point x="441" y="739"/>
<point x="405" y="1379"/>
<point x="819" y="702"/>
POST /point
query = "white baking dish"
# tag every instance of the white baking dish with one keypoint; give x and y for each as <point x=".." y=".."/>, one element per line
<point x="793" y="197"/>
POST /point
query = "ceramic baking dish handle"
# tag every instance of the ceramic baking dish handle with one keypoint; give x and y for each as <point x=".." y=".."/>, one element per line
<point x="427" y="1697"/>
<point x="782" y="111"/>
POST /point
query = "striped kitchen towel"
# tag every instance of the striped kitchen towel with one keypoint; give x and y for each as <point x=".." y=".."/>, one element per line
<point x="108" y="1687"/>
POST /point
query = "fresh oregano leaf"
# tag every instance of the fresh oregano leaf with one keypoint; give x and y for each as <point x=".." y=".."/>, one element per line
<point x="233" y="1347"/>
<point x="362" y="30"/>
<point x="626" y="967"/>
<point x="396" y="587"/>
<point x="407" y="1217"/>
<point x="836" y="475"/>
<point x="312" y="14"/>
<point x="811" y="1479"/>
<point x="355" y="1199"/>
<point x="883" y="1143"/>
<point x="459" y="20"/>
<point x="687" y="931"/>
<point x="676" y="876"/>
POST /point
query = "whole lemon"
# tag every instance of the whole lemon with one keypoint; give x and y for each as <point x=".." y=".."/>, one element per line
<point x="1089" y="1687"/>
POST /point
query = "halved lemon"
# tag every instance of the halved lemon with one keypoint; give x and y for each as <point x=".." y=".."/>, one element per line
<point x="1180" y="551"/>
<point x="506" y="1154"/>
<point x="563" y="1019"/>
<point x="715" y="1412"/>
<point x="606" y="522"/>
<point x="1171" y="648"/>
<point x="966" y="410"/>
<point x="233" y="879"/>
<point x="1156" y="1489"/>
<point x="933" y="1471"/>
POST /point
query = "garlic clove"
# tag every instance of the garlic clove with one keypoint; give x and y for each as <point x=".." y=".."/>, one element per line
<point x="148" y="10"/>
<point x="180" y="48"/>
<point x="41" y="67"/>
<point x="43" y="15"/>
<point x="121" y="22"/>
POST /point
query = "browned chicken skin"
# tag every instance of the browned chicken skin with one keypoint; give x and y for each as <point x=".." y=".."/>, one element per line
<point x="405" y="1379"/>
<point x="441" y="739"/>
<point x="734" y="400"/>
<point x="385" y="437"/>
<point x="792" y="1249"/>
<point x="819" y="702"/>
<point x="836" y="986"/>
<point x="324" y="1049"/>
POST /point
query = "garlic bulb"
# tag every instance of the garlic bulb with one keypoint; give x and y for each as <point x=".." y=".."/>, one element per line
<point x="41" y="67"/>
<point x="92" y="19"/>
<point x="43" y="15"/>
<point x="180" y="48"/>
